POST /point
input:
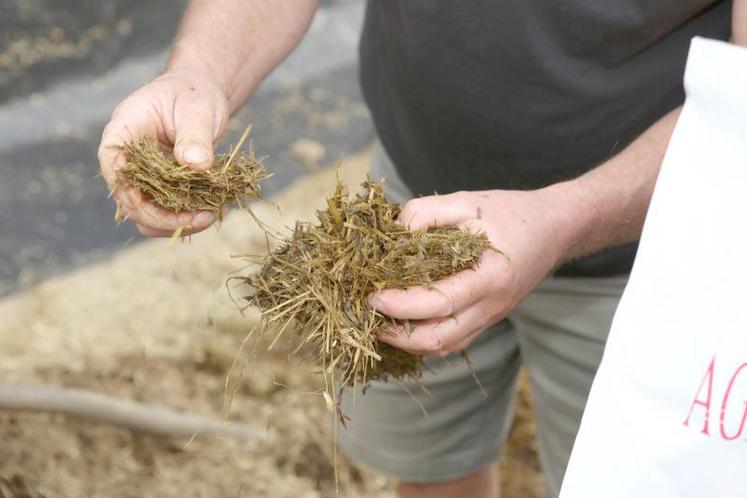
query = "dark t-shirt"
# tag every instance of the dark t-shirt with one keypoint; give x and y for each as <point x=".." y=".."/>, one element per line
<point x="519" y="94"/>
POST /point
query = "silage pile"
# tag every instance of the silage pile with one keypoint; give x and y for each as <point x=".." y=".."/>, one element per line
<point x="170" y="343"/>
<point x="319" y="281"/>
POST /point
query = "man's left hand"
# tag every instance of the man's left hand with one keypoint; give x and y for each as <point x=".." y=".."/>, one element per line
<point x="526" y="226"/>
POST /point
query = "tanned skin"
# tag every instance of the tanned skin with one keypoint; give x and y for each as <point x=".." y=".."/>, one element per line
<point x="225" y="48"/>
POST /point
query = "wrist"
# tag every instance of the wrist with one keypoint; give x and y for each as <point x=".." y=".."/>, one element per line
<point x="571" y="211"/>
<point x="235" y="83"/>
<point x="199" y="70"/>
<point x="197" y="79"/>
<point x="233" y="89"/>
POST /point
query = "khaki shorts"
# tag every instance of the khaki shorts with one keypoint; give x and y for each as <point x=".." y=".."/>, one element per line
<point x="558" y="332"/>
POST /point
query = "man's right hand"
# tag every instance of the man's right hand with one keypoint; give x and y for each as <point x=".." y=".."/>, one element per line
<point x="179" y="111"/>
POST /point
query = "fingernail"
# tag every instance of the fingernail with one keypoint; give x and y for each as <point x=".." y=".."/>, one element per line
<point x="203" y="219"/>
<point x="195" y="155"/>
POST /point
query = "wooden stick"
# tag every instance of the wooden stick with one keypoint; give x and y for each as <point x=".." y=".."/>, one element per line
<point x="128" y="414"/>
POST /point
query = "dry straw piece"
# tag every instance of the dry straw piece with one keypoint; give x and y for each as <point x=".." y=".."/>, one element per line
<point x="233" y="180"/>
<point x="318" y="282"/>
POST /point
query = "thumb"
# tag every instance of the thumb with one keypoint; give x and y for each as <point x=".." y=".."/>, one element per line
<point x="194" y="133"/>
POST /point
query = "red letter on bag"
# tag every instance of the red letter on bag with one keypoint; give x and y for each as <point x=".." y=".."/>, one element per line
<point x="707" y="403"/>
<point x="723" y="407"/>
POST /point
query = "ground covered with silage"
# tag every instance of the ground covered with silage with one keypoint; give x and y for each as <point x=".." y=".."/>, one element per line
<point x="170" y="343"/>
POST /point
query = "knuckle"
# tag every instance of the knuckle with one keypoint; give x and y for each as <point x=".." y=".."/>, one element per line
<point x="433" y="345"/>
<point x="127" y="105"/>
<point x="445" y="304"/>
<point x="499" y="311"/>
<point x="408" y="210"/>
<point x="378" y="301"/>
<point x="506" y="276"/>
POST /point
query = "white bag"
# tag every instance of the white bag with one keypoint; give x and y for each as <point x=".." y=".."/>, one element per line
<point x="667" y="414"/>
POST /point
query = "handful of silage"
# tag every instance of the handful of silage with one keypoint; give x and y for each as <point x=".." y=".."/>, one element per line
<point x="318" y="282"/>
<point x="233" y="180"/>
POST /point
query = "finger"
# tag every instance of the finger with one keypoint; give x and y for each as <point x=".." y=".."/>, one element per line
<point x="110" y="161"/>
<point x="150" y="232"/>
<point x="437" y="210"/>
<point x="441" y="299"/>
<point x="133" y="118"/>
<point x="136" y="208"/>
<point x="439" y="337"/>
<point x="195" y="130"/>
<point x="156" y="218"/>
<point x="153" y="221"/>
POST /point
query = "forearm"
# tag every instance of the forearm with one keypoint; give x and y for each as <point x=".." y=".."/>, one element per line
<point x="606" y="207"/>
<point x="739" y="22"/>
<point x="238" y="42"/>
